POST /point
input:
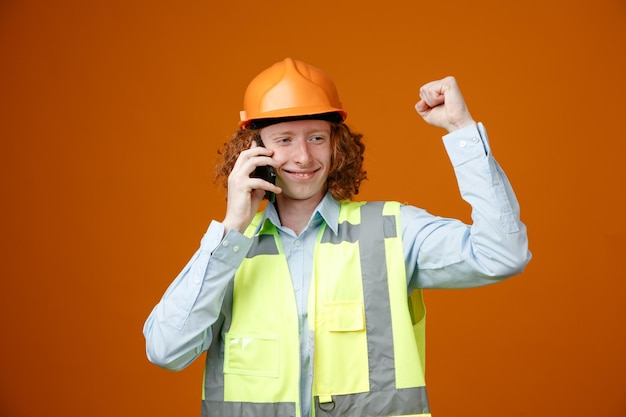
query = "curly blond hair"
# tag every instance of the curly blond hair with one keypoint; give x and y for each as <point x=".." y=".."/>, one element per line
<point x="346" y="168"/>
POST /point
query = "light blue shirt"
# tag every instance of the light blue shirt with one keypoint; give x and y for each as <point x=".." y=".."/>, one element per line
<point x="438" y="252"/>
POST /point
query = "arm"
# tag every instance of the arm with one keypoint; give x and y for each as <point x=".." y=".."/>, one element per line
<point x="179" y="327"/>
<point x="445" y="253"/>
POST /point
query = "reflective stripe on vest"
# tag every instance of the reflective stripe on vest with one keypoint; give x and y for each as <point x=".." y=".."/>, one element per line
<point x="366" y="346"/>
<point x="357" y="300"/>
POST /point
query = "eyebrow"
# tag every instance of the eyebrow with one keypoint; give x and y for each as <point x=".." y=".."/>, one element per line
<point x="290" y="132"/>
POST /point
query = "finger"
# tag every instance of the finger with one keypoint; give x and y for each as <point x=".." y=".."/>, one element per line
<point x="255" y="151"/>
<point x="432" y="94"/>
<point x="261" y="184"/>
<point x="422" y="109"/>
<point x="421" y="106"/>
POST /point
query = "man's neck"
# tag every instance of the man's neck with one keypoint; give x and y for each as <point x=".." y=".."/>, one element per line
<point x="295" y="214"/>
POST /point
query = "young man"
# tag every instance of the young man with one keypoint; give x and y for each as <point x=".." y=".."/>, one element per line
<point x="314" y="306"/>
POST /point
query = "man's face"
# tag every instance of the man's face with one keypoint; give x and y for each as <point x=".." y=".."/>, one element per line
<point x="303" y="150"/>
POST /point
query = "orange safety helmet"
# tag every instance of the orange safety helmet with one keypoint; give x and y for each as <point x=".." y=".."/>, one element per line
<point x="290" y="89"/>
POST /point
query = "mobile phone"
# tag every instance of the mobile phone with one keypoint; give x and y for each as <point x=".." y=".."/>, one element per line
<point x="265" y="172"/>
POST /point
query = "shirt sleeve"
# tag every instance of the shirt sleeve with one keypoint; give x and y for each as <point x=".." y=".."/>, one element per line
<point x="446" y="253"/>
<point x="179" y="327"/>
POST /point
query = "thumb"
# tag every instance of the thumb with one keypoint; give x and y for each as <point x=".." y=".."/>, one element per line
<point x="421" y="106"/>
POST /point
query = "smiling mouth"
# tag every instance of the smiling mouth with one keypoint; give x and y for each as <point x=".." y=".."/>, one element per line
<point x="302" y="175"/>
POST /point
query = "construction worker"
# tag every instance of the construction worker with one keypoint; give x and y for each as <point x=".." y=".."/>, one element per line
<point x="313" y="306"/>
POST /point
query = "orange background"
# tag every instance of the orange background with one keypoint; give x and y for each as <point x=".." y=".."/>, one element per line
<point x="110" y="116"/>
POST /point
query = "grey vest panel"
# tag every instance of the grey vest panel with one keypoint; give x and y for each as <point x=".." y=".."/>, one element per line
<point x="214" y="366"/>
<point x="237" y="409"/>
<point x="396" y="402"/>
<point x="262" y="245"/>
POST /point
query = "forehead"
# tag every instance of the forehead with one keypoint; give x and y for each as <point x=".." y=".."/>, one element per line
<point x="296" y="127"/>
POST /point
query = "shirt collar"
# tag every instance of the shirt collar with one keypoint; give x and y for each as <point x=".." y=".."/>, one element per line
<point x="327" y="210"/>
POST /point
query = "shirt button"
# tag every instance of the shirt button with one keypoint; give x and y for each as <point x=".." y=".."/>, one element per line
<point x="197" y="281"/>
<point x="462" y="144"/>
<point x="475" y="139"/>
<point x="226" y="243"/>
<point x="236" y="248"/>
<point x="297" y="243"/>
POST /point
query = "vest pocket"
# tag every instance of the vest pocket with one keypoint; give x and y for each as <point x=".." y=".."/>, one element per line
<point x="345" y="316"/>
<point x="248" y="354"/>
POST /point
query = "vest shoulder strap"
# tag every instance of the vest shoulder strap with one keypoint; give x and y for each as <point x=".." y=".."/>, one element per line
<point x="254" y="225"/>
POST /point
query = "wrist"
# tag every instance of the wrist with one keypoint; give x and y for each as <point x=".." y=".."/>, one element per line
<point x="461" y="124"/>
<point x="232" y="225"/>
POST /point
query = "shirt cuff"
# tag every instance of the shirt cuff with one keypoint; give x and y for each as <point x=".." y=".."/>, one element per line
<point x="466" y="144"/>
<point x="230" y="249"/>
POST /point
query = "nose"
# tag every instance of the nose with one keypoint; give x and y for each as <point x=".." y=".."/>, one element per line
<point x="302" y="153"/>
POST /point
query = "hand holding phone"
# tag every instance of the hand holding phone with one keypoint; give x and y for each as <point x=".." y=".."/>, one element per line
<point x="265" y="172"/>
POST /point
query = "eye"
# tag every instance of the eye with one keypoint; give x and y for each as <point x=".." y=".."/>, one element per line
<point x="284" y="140"/>
<point x="317" y="138"/>
<point x="281" y="140"/>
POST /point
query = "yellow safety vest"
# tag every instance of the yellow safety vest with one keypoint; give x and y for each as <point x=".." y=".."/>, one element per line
<point x="369" y="341"/>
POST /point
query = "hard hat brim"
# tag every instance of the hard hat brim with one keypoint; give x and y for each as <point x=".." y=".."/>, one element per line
<point x="255" y="124"/>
